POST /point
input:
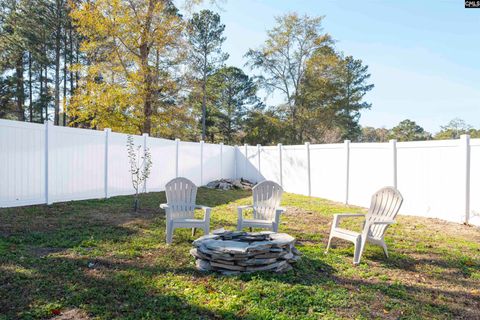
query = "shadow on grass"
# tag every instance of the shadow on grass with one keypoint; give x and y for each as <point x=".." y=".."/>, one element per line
<point x="65" y="284"/>
<point x="32" y="277"/>
<point x="127" y="289"/>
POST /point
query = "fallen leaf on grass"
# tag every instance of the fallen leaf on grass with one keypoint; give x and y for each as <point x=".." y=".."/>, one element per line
<point x="55" y="312"/>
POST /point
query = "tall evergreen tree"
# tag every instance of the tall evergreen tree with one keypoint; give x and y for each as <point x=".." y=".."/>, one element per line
<point x="29" y="34"/>
<point x="232" y="94"/>
<point x="205" y="35"/>
<point x="353" y="85"/>
<point x="408" y="130"/>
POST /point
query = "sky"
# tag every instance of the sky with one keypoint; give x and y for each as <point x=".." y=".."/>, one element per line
<point x="423" y="55"/>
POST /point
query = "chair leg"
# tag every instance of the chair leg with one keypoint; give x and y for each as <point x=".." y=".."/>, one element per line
<point x="239" y="226"/>
<point x="206" y="229"/>
<point x="275" y="227"/>
<point x="329" y="243"/>
<point x="193" y="231"/>
<point x="359" y="247"/>
<point x="384" y="246"/>
<point x="169" y="233"/>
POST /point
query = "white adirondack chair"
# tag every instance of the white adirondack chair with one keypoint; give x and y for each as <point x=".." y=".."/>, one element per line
<point x="384" y="207"/>
<point x="266" y="207"/>
<point x="181" y="195"/>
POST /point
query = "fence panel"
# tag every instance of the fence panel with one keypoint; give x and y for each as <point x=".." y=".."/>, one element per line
<point x="189" y="159"/>
<point x="22" y="163"/>
<point x="163" y="154"/>
<point x="328" y="165"/>
<point x="270" y="163"/>
<point x="430" y="178"/>
<point x="76" y="164"/>
<point x="294" y="169"/>
<point x="475" y="181"/>
<point x="119" y="177"/>
<point x="228" y="162"/>
<point x="247" y="164"/>
<point x="240" y="162"/>
<point x="370" y="169"/>
<point x="211" y="162"/>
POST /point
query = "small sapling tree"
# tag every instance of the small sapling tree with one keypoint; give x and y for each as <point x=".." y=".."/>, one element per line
<point x="140" y="165"/>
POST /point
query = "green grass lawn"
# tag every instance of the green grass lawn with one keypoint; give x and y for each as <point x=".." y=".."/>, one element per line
<point x="97" y="259"/>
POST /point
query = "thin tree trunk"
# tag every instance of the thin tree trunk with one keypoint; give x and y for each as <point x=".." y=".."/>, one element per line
<point x="41" y="94"/>
<point x="58" y="34"/>
<point x="204" y="97"/>
<point x="204" y="106"/>
<point x="147" y="106"/>
<point x="65" y="80"/>
<point x="77" y="60"/>
<point x="71" y="61"/>
<point x="147" y="73"/>
<point x="45" y="88"/>
<point x="30" y="98"/>
<point x="20" y="90"/>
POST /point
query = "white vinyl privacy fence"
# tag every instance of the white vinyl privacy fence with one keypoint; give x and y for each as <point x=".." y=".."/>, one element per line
<point x="42" y="163"/>
<point x="438" y="179"/>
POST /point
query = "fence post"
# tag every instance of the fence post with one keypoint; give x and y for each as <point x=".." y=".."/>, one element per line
<point x="347" y="169"/>
<point x="177" y="143"/>
<point x="48" y="133"/>
<point x="393" y="146"/>
<point x="235" y="154"/>
<point x="201" y="162"/>
<point x="246" y="161"/>
<point x="258" y="156"/>
<point x="309" y="181"/>
<point x="221" y="160"/>
<point x="465" y="146"/>
<point x="280" y="163"/>
<point x="107" y="134"/>
<point x="145" y="136"/>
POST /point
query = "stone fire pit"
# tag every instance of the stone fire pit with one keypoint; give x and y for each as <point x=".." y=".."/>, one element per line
<point x="233" y="252"/>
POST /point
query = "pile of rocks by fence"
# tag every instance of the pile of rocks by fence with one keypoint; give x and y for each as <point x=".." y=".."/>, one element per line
<point x="234" y="252"/>
<point x="229" y="184"/>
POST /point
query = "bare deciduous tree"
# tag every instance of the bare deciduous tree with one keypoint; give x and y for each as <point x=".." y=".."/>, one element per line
<point x="140" y="165"/>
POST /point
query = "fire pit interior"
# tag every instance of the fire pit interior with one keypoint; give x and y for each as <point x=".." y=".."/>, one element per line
<point x="233" y="252"/>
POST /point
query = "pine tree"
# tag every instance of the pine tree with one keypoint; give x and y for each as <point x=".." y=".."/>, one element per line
<point x="205" y="34"/>
<point x="232" y="94"/>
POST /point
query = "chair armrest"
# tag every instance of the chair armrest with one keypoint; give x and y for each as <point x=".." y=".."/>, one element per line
<point x="207" y="211"/>
<point x="244" y="207"/>
<point x="349" y="215"/>
<point x="338" y="216"/>
<point x="386" y="222"/>
<point x="166" y="207"/>
<point x="240" y="211"/>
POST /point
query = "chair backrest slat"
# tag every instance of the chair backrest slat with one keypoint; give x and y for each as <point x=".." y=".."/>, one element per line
<point x="266" y="199"/>
<point x="181" y="195"/>
<point x="385" y="205"/>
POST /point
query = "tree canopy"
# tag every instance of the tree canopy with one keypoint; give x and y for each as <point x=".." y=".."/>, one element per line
<point x="146" y="66"/>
